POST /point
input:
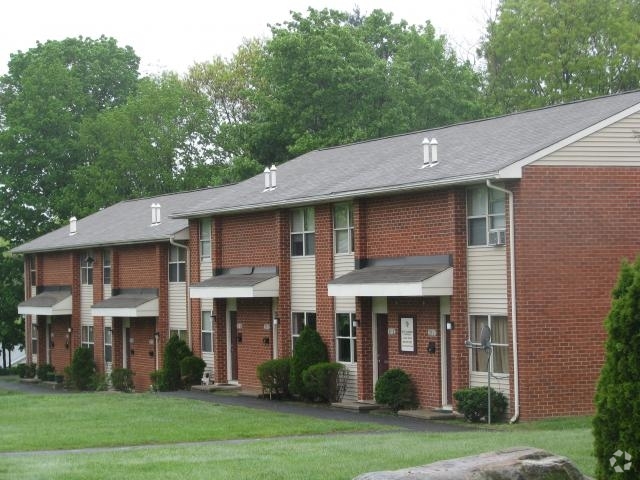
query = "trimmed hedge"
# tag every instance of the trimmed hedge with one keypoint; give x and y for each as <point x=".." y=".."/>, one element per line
<point x="274" y="376"/>
<point x="325" y="382"/>
<point x="309" y="350"/>
<point x="191" y="370"/>
<point x="82" y="370"/>
<point x="396" y="390"/>
<point x="472" y="403"/>
<point x="174" y="352"/>
<point x="45" y="372"/>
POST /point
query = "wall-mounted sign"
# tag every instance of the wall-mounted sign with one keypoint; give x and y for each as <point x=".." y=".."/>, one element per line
<point x="431" y="332"/>
<point x="407" y="334"/>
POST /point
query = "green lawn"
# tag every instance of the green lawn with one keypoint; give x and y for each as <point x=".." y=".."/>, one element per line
<point x="38" y="422"/>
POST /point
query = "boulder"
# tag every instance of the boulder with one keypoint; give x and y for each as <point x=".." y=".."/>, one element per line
<point x="518" y="463"/>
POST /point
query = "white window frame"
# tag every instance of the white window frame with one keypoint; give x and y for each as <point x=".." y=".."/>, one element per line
<point x="108" y="345"/>
<point x="493" y="220"/>
<point x="86" y="270"/>
<point x="307" y="232"/>
<point x="106" y="267"/>
<point x="34" y="339"/>
<point x="205" y="238"/>
<point x="177" y="265"/>
<point x="181" y="334"/>
<point x="350" y="317"/>
<point x="343" y="229"/>
<point x="87" y="338"/>
<point x="32" y="270"/>
<point x="206" y="332"/>
<point x="309" y="319"/>
<point x="473" y="358"/>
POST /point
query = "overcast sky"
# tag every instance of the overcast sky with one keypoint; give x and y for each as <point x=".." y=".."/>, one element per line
<point x="172" y="35"/>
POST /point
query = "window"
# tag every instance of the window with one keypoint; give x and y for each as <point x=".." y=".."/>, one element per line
<point x="108" y="344"/>
<point x="32" y="270"/>
<point x="303" y="237"/>
<point x="87" y="337"/>
<point x="177" y="264"/>
<point x="346" y="337"/>
<point x="299" y="320"/>
<point x="106" y="267"/>
<point x="34" y="339"/>
<point x="343" y="228"/>
<point x="485" y="212"/>
<point x="500" y="355"/>
<point x="86" y="269"/>
<point x="205" y="238"/>
<point x="207" y="332"/>
<point x="181" y="334"/>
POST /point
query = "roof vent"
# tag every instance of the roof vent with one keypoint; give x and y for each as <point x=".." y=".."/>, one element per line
<point x="270" y="178"/>
<point x="273" y="177"/>
<point x="73" y="226"/>
<point x="430" y="153"/>
<point x="155" y="213"/>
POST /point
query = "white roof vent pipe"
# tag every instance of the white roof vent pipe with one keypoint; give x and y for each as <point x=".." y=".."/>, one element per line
<point x="73" y="226"/>
<point x="434" y="152"/>
<point x="273" y="177"/>
<point x="155" y="213"/>
<point x="267" y="179"/>
<point x="426" y="153"/>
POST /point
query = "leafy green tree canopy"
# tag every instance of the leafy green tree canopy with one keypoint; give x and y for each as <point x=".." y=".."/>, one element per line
<point x="542" y="52"/>
<point x="11" y="293"/>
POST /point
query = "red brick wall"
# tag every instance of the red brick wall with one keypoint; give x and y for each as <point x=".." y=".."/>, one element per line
<point x="250" y="239"/>
<point x="573" y="228"/>
<point x="138" y="267"/>
<point x="324" y="273"/>
<point x="55" y="269"/>
<point x="284" y="270"/>
<point x="423" y="367"/>
<point x="253" y="314"/>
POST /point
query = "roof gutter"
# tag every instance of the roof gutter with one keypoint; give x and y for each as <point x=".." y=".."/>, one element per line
<point x="514" y="305"/>
<point x="173" y="242"/>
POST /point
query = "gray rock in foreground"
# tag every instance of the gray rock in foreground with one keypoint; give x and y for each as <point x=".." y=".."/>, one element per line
<point x="518" y="463"/>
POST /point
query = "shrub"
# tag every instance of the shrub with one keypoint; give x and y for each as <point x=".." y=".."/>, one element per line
<point x="9" y="371"/>
<point x="82" y="369"/>
<point x="617" y="399"/>
<point x="395" y="389"/>
<point x="45" y="372"/>
<point x="122" y="379"/>
<point x="274" y="377"/>
<point x="21" y="370"/>
<point x="191" y="370"/>
<point x="175" y="350"/>
<point x="100" y="382"/>
<point x="472" y="403"/>
<point x="309" y="350"/>
<point x="325" y="382"/>
<point x="158" y="383"/>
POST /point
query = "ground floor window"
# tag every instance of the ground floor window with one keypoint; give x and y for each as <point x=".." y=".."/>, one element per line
<point x="499" y="360"/>
<point x="181" y="334"/>
<point x="87" y="337"/>
<point x="108" y="345"/>
<point x="34" y="339"/>
<point x="207" y="332"/>
<point x="299" y="320"/>
<point x="346" y="337"/>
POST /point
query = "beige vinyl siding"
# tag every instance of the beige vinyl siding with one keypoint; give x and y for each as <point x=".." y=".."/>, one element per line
<point x="351" y="393"/>
<point x="614" y="145"/>
<point x="205" y="269"/>
<point x="303" y="284"/>
<point x="86" y="300"/>
<point x="487" y="280"/>
<point x="499" y="381"/>
<point x="343" y="264"/>
<point x="177" y="306"/>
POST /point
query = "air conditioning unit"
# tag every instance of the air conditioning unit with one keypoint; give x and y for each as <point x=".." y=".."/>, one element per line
<point x="497" y="237"/>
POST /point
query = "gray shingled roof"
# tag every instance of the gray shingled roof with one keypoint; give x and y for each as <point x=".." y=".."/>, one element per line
<point x="390" y="274"/>
<point x="126" y="222"/>
<point x="127" y="299"/>
<point x="467" y="152"/>
<point x="236" y="280"/>
<point x="47" y="298"/>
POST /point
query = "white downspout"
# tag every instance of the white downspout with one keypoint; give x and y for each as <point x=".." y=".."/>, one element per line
<point x="187" y="282"/>
<point x="514" y="305"/>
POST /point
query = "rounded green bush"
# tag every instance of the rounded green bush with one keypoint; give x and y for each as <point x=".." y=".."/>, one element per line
<point x="122" y="379"/>
<point x="191" y="369"/>
<point x="175" y="350"/>
<point x="396" y="390"/>
<point x="473" y="404"/>
<point x="274" y="377"/>
<point x="309" y="350"/>
<point x="82" y="369"/>
<point x="324" y="382"/>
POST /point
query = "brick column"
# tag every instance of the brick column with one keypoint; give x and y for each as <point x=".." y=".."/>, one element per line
<point x="364" y="347"/>
<point x="284" y="269"/>
<point x="324" y="273"/>
<point x="220" y="340"/>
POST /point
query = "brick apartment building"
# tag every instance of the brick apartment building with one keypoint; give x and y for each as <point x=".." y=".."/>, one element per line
<point x="397" y="250"/>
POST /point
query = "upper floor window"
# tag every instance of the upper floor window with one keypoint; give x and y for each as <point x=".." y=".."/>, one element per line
<point x="177" y="264"/>
<point x="299" y="320"/>
<point x="205" y="238"/>
<point x="207" y="332"/>
<point x="343" y="228"/>
<point x="303" y="236"/>
<point x="485" y="214"/>
<point x="346" y="337"/>
<point x="32" y="270"/>
<point x="106" y="267"/>
<point x="86" y="269"/>
<point x="498" y="361"/>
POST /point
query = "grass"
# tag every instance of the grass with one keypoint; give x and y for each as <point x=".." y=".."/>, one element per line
<point x="242" y="444"/>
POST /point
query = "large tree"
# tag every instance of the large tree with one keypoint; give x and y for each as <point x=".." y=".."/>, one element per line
<point x="542" y="52"/>
<point x="48" y="92"/>
<point x="11" y="293"/>
<point x="329" y="77"/>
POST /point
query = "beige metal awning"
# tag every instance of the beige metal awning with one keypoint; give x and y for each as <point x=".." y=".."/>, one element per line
<point x="128" y="303"/>
<point x="249" y="282"/>
<point x="50" y="301"/>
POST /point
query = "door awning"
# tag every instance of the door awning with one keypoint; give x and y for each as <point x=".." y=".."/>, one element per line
<point x="50" y="301"/>
<point x="128" y="303"/>
<point x="245" y="282"/>
<point x="388" y="280"/>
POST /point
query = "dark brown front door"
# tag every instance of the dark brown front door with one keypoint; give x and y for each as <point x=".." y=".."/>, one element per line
<point x="233" y="327"/>
<point x="382" y="343"/>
